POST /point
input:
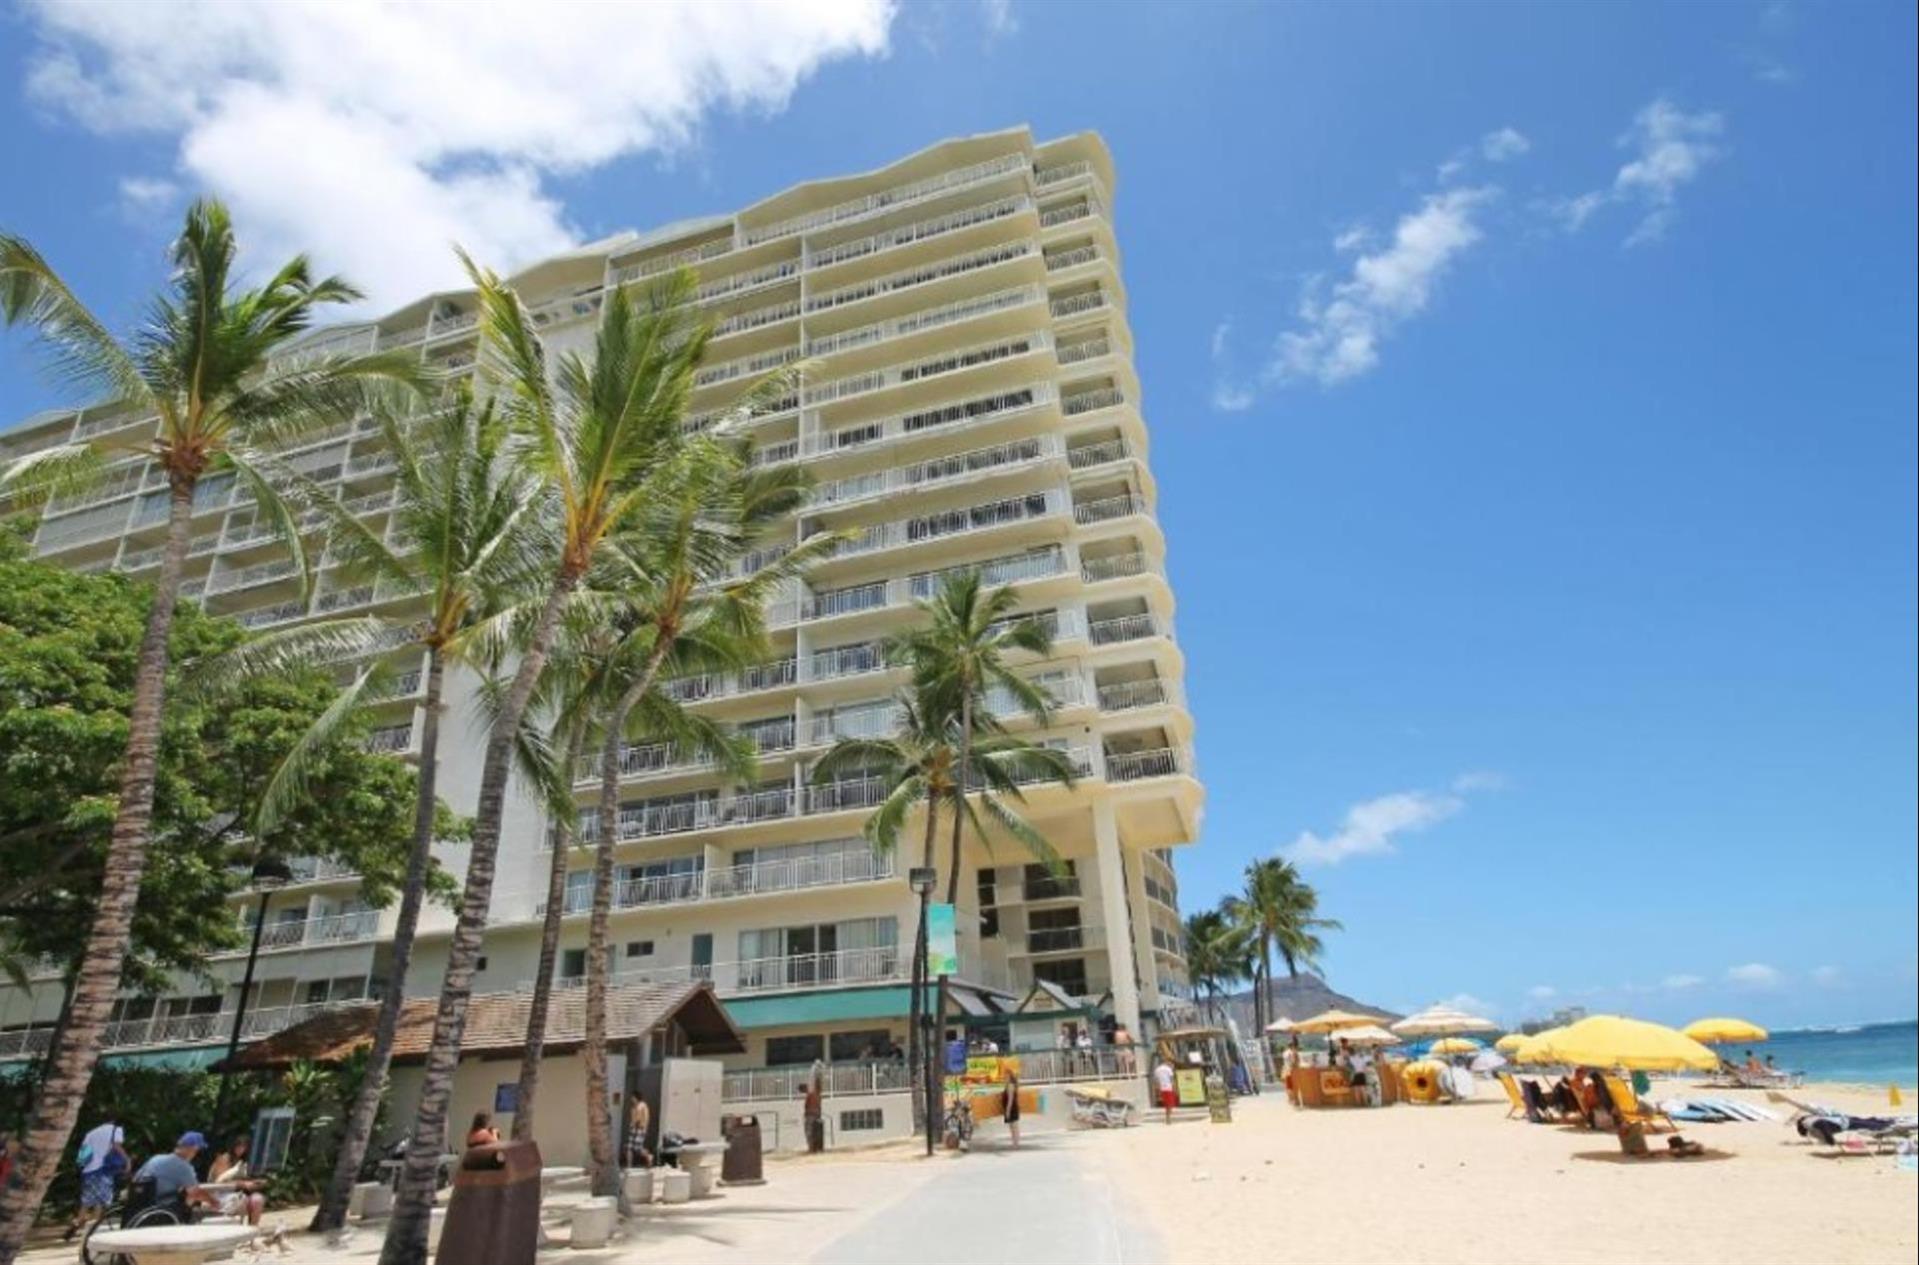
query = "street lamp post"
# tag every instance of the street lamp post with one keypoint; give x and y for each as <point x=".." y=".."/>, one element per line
<point x="269" y="875"/>
<point x="922" y="878"/>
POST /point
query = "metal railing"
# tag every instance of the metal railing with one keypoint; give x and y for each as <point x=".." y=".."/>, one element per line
<point x="976" y="411"/>
<point x="1086" y="456"/>
<point x="939" y="471"/>
<point x="1044" y="176"/>
<point x="1109" y="507"/>
<point x="1088" y="401"/>
<point x="1060" y="939"/>
<point x="843" y="1080"/>
<point x="954" y="522"/>
<point x="758" y="318"/>
<point x="1090" y="349"/>
<point x="1122" y="696"/>
<point x="393" y="738"/>
<point x="279" y="613"/>
<point x="1106" y="632"/>
<point x="930" y="318"/>
<point x="570" y="308"/>
<point x="766" y="676"/>
<point x="332" y="929"/>
<point x="1078" y="304"/>
<point x="1099" y="1062"/>
<point x="1057" y="260"/>
<point x="899" y="195"/>
<point x="949" y="362"/>
<point x="727" y="371"/>
<point x="917" y="231"/>
<point x="924" y="274"/>
<point x="688" y="257"/>
<point x="1131" y="766"/>
<point x="1079" y="210"/>
<point x="883" y="594"/>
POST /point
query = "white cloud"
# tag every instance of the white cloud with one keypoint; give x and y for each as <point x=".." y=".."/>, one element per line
<point x="1679" y="983"/>
<point x="1669" y="149"/>
<point x="999" y="18"/>
<point x="1480" y="780"/>
<point x="143" y="193"/>
<point x="1542" y="992"/>
<point x="1469" y="1004"/>
<point x="1754" y="975"/>
<point x="1503" y="144"/>
<point x="375" y="134"/>
<point x="1338" y="335"/>
<point x="1229" y="395"/>
<point x="1372" y="825"/>
<point x="1827" y="976"/>
<point x="1358" y="237"/>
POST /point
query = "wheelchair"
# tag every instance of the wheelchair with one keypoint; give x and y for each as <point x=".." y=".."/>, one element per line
<point x="140" y="1206"/>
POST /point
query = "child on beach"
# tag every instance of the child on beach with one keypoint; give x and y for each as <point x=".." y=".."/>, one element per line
<point x="1163" y="1082"/>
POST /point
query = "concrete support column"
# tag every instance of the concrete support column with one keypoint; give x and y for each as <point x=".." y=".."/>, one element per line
<point x="1119" y="926"/>
<point x="1142" y="933"/>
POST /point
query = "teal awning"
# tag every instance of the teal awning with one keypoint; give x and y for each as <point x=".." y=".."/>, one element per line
<point x="822" y="1007"/>
<point x="201" y="1056"/>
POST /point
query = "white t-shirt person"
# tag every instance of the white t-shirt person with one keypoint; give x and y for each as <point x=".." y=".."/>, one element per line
<point x="1163" y="1077"/>
<point x="99" y="1142"/>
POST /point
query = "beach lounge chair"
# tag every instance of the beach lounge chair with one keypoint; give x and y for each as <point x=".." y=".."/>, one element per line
<point x="1629" y="1109"/>
<point x="1334" y="1086"/>
<point x="1513" y="1096"/>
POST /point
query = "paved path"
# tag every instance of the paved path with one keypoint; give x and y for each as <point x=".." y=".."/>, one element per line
<point x="1048" y="1201"/>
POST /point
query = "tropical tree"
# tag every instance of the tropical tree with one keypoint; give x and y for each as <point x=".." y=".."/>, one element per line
<point x="590" y="432"/>
<point x="1218" y="954"/>
<point x="204" y="361"/>
<point x="1279" y="912"/>
<point x="464" y="530"/>
<point x="693" y="573"/>
<point x="957" y="656"/>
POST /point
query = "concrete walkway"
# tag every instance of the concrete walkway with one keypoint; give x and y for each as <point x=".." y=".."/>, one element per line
<point x="1051" y="1200"/>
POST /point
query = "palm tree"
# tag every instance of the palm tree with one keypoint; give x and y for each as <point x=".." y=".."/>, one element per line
<point x="204" y="362"/>
<point x="956" y="657"/>
<point x="591" y="432"/>
<point x="1218" y="953"/>
<point x="1278" y="911"/>
<point x="692" y="581"/>
<point x="464" y="529"/>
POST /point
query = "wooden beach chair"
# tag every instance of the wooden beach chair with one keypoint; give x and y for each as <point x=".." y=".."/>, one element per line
<point x="1513" y="1096"/>
<point x="1632" y="1110"/>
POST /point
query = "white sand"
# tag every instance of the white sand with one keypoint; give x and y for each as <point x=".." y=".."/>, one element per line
<point x="1463" y="1183"/>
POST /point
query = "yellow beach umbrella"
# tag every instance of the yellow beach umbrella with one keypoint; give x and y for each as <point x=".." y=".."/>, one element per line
<point x="1510" y="1043"/>
<point x="1333" y="1021"/>
<point x="1370" y="1034"/>
<point x="1725" y="1031"/>
<point x="1532" y="1049"/>
<point x="1614" y="1041"/>
<point x="1454" y="1045"/>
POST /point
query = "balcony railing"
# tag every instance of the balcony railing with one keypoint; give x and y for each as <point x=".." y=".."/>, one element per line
<point x="971" y="412"/>
<point x="390" y="740"/>
<point x="729" y="370"/>
<point x="1120" y="696"/>
<point x="1091" y="349"/>
<point x="956" y="522"/>
<point x="1088" y="456"/>
<point x="1089" y="401"/>
<point x="918" y="231"/>
<point x="1078" y="304"/>
<point x="1131" y="766"/>
<point x="939" y="470"/>
<point x="1055" y="216"/>
<point x="691" y="256"/>
<point x="788" y="1084"/>
<point x="247" y="577"/>
<point x="873" y="203"/>
<point x="333" y="929"/>
<point x="1106" y="632"/>
<point x="174" y="1030"/>
<point x="1060" y="260"/>
<point x="765" y="676"/>
<point x="1059" y="939"/>
<point x="936" y="367"/>
<point x="917" y="322"/>
<point x="758" y="318"/>
<point x="884" y="594"/>
<point x="925" y="274"/>
<point x="1045" y="177"/>
<point x="278" y="613"/>
<point x="1110" y="507"/>
<point x="761" y="878"/>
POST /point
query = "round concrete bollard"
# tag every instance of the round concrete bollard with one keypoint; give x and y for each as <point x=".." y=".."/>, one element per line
<point x="676" y="1185"/>
<point x="593" y="1221"/>
<point x="701" y="1180"/>
<point x="370" y="1200"/>
<point x="639" y="1186"/>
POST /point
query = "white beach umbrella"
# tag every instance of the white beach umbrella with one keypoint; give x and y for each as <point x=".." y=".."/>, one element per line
<point x="1437" y="1021"/>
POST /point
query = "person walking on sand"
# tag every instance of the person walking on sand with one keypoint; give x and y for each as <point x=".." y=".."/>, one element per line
<point x="103" y="1161"/>
<point x="1289" y="1069"/>
<point x="1009" y="1107"/>
<point x="1163" y="1082"/>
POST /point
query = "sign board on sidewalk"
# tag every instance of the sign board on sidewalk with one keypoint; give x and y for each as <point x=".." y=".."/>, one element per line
<point x="942" y="941"/>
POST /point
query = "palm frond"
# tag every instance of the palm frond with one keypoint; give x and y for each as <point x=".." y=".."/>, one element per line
<point x="288" y="785"/>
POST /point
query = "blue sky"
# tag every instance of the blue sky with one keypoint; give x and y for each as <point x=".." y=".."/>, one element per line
<point x="1532" y="397"/>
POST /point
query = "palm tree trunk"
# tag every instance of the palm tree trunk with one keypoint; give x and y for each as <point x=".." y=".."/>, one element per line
<point x="1266" y="966"/>
<point x="959" y="794"/>
<point x="74" y="1055"/>
<point x="413" y="1205"/>
<point x="602" y="1164"/>
<point x="331" y="1214"/>
<point x="916" y="1004"/>
<point x="563" y="830"/>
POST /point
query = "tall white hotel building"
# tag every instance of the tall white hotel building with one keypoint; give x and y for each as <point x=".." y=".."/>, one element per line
<point x="974" y="405"/>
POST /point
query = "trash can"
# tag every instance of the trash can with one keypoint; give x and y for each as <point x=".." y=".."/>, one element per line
<point x="741" y="1165"/>
<point x="493" y="1217"/>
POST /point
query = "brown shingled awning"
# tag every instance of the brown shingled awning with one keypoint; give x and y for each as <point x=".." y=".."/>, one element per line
<point x="496" y="1026"/>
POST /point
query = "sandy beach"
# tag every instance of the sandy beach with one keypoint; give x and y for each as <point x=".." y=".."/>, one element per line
<point x="1464" y="1183"/>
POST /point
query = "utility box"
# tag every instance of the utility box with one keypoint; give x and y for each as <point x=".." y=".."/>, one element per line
<point x="493" y="1217"/>
<point x="684" y="1095"/>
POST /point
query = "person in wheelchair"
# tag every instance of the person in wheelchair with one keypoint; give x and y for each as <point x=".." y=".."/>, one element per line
<point x="166" y="1190"/>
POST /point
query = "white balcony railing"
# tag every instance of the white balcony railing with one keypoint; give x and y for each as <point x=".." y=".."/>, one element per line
<point x="1107" y="632"/>
<point x="1053" y="217"/>
<point x="939" y="471"/>
<point x="1108" y="508"/>
<point x="758" y="318"/>
<point x="918" y="231"/>
<point x="268" y="616"/>
<point x="951" y="362"/>
<point x="247" y="577"/>
<point x="391" y="739"/>
<point x="918" y="322"/>
<point x="899" y="195"/>
<point x="924" y="274"/>
<point x="1089" y="401"/>
<point x="884" y="594"/>
<point x="332" y="929"/>
<point x="1081" y="352"/>
<point x="1060" y="260"/>
<point x="1120" y="696"/>
<point x="948" y="523"/>
<point x="977" y="411"/>
<point x="1131" y="766"/>
<point x="1090" y="456"/>
<point x="1045" y="177"/>
<point x="1078" y="304"/>
<point x="1118" y="567"/>
<point x="760" y="878"/>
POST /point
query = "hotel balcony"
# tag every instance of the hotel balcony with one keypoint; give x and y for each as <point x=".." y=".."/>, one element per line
<point x="303" y="933"/>
<point x="733" y="882"/>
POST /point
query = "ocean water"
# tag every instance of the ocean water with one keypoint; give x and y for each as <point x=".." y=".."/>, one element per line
<point x="1870" y="1054"/>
